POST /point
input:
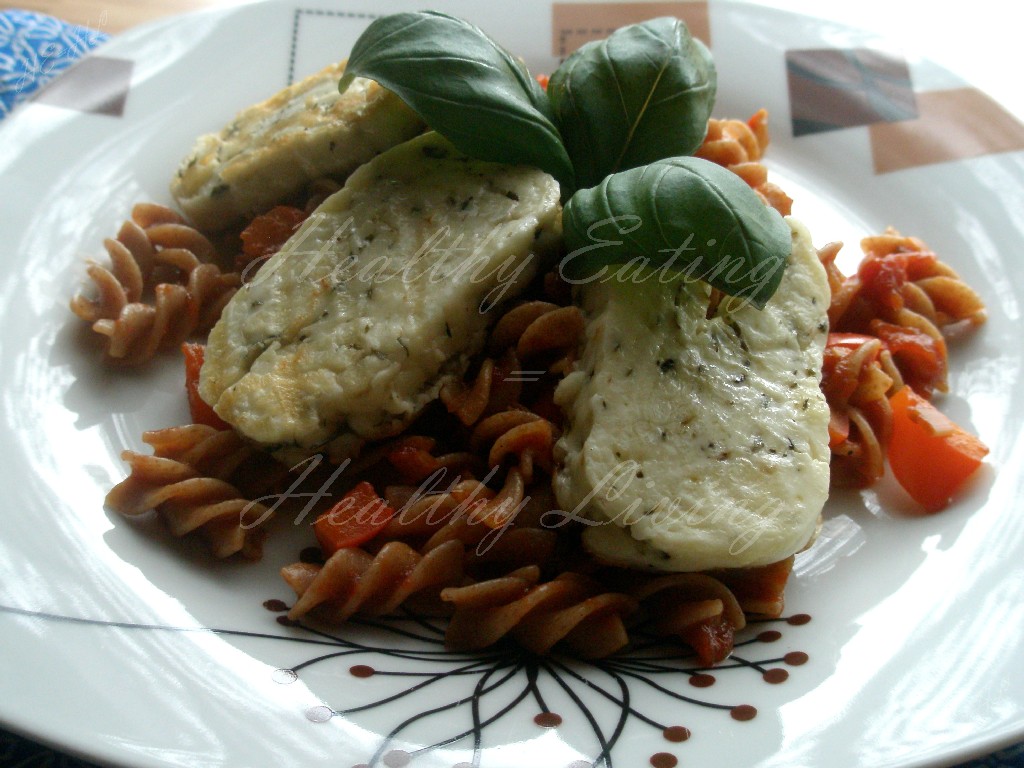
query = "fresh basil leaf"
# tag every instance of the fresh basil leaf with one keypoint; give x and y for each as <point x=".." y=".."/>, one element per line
<point x="642" y="94"/>
<point x="465" y="86"/>
<point x="681" y="214"/>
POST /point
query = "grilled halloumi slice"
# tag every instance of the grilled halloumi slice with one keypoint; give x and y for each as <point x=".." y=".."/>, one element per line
<point x="698" y="443"/>
<point x="381" y="297"/>
<point x="273" y="149"/>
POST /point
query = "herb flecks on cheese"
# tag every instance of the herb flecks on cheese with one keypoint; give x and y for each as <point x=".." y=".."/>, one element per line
<point x="698" y="443"/>
<point x="381" y="297"/>
<point x="273" y="149"/>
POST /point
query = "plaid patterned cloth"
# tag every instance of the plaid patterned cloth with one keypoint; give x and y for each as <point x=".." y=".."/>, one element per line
<point x="35" y="48"/>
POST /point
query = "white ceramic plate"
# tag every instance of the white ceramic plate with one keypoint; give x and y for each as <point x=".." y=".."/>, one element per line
<point x="129" y="648"/>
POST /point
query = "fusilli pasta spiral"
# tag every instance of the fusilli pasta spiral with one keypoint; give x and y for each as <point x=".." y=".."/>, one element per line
<point x="857" y="388"/>
<point x="906" y="296"/>
<point x="739" y="146"/>
<point x="570" y="608"/>
<point x="532" y="333"/>
<point x="354" y="581"/>
<point x="186" y="481"/>
<point x="159" y="289"/>
<point x="889" y="324"/>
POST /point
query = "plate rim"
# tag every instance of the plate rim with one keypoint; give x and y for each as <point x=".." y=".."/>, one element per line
<point x="970" y="749"/>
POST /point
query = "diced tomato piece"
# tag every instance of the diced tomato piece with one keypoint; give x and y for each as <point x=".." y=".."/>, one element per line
<point x="359" y="516"/>
<point x="919" y="357"/>
<point x="543" y="80"/>
<point x="930" y="455"/>
<point x="882" y="277"/>
<point x="847" y="340"/>
<point x="761" y="583"/>
<point x="422" y="442"/>
<point x="840" y="370"/>
<point x="838" y="428"/>
<point x="199" y="409"/>
<point x="415" y="463"/>
<point x="712" y="639"/>
<point x="268" y="232"/>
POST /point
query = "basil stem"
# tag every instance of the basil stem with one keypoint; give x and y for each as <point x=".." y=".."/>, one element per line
<point x="642" y="94"/>
<point x="680" y="214"/>
<point x="465" y="86"/>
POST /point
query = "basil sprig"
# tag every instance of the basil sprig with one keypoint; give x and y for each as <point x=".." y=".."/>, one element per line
<point x="465" y="86"/>
<point x="641" y="94"/>
<point x="614" y="129"/>
<point x="723" y="235"/>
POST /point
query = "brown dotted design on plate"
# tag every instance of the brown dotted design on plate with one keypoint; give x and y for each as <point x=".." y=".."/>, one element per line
<point x="275" y="605"/>
<point x="743" y="712"/>
<point x="548" y="719"/>
<point x="362" y="670"/>
<point x="676" y="733"/>
<point x="487" y="666"/>
<point x="702" y="680"/>
<point x="698" y="677"/>
<point x="664" y="760"/>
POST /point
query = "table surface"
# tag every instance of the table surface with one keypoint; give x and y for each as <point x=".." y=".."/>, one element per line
<point x="113" y="16"/>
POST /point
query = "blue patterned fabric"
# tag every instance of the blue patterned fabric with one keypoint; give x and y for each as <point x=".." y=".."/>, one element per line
<point x="35" y="48"/>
